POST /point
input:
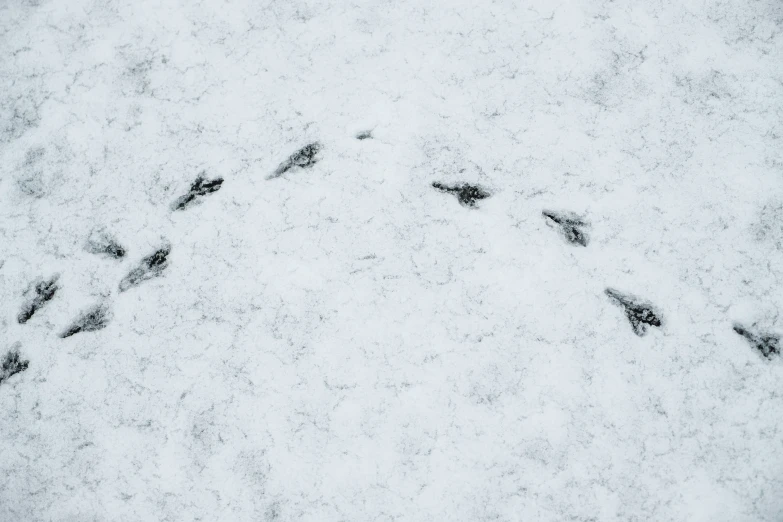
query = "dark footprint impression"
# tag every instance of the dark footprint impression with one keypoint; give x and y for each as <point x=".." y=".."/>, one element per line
<point x="466" y="194"/>
<point x="640" y="313"/>
<point x="570" y="225"/>
<point x="42" y="292"/>
<point x="199" y="188"/>
<point x="303" y="158"/>
<point x="766" y="343"/>
<point x="96" y="318"/>
<point x="101" y="243"/>
<point x="149" y="267"/>
<point x="364" y="135"/>
<point x="12" y="363"/>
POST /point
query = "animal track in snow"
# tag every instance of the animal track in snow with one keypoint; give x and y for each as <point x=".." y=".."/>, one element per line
<point x="199" y="188"/>
<point x="303" y="158"/>
<point x="12" y="363"/>
<point x="639" y="313"/>
<point x="43" y="291"/>
<point x="91" y="320"/>
<point x="101" y="243"/>
<point x="149" y="267"/>
<point x="571" y="226"/>
<point x="767" y="344"/>
<point x="466" y="194"/>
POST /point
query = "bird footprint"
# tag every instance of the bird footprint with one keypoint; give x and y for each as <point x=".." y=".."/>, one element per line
<point x="571" y="226"/>
<point x="767" y="344"/>
<point x="43" y="291"/>
<point x="303" y="158"/>
<point x="639" y="313"/>
<point x="466" y="194"/>
<point x="149" y="267"/>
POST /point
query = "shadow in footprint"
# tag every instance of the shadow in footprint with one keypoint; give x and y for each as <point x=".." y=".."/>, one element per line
<point x="91" y="320"/>
<point x="42" y="292"/>
<point x="571" y="226"/>
<point x="149" y="267"/>
<point x="303" y="158"/>
<point x="12" y="363"/>
<point x="640" y="313"/>
<point x="198" y="189"/>
<point x="767" y="344"/>
<point x="466" y="194"/>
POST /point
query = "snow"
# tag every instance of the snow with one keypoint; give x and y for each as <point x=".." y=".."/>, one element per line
<point x="345" y="342"/>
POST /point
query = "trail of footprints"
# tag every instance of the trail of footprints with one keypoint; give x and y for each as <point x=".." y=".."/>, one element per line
<point x="641" y="314"/>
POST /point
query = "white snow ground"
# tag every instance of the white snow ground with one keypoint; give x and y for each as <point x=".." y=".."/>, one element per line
<point x="346" y="343"/>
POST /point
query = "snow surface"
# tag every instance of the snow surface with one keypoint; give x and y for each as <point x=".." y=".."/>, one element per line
<point x="343" y="342"/>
